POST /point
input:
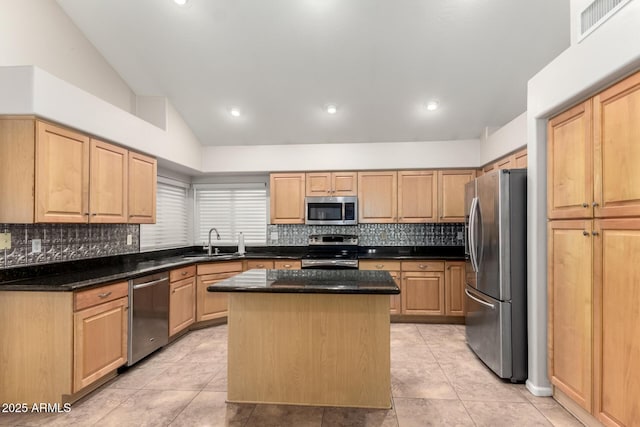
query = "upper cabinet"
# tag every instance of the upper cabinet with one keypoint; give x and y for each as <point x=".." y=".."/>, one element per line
<point x="451" y="194"/>
<point x="377" y="197"/>
<point x="331" y="184"/>
<point x="287" y="198"/>
<point x="142" y="189"/>
<point x="520" y="159"/>
<point x="418" y="196"/>
<point x="569" y="164"/>
<point x="52" y="174"/>
<point x="616" y="138"/>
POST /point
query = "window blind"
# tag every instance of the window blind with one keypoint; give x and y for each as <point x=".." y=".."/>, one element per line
<point x="231" y="210"/>
<point x="172" y="218"/>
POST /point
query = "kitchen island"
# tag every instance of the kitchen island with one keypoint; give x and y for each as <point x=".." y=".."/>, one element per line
<point x="309" y="337"/>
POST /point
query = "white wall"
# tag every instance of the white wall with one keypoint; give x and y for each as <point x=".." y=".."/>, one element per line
<point x="357" y="156"/>
<point x="603" y="57"/>
<point x="38" y="32"/>
<point x="508" y="138"/>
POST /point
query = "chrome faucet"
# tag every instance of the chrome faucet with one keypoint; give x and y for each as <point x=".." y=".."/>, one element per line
<point x="217" y="235"/>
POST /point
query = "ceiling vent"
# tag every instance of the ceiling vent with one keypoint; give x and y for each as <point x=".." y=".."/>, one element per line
<point x="597" y="13"/>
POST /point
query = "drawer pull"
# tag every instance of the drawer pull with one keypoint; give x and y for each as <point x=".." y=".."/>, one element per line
<point x="184" y="273"/>
<point x="379" y="265"/>
<point x="104" y="295"/>
<point x="260" y="266"/>
<point x="422" y="266"/>
<point x="287" y="265"/>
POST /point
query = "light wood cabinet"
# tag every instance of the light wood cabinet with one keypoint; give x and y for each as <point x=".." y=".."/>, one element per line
<point x="213" y="305"/>
<point x="616" y="299"/>
<point x="182" y="299"/>
<point x="569" y="164"/>
<point x="393" y="267"/>
<point x="451" y="194"/>
<point x="423" y="293"/>
<point x="616" y="137"/>
<point x="287" y="198"/>
<point x="331" y="184"/>
<point x="266" y="264"/>
<point x="505" y="163"/>
<point x="454" y="282"/>
<point x="378" y="197"/>
<point x="108" y="183"/>
<point x="51" y="174"/>
<point x="521" y="159"/>
<point x="62" y="175"/>
<point x="280" y="264"/>
<point x="143" y="171"/>
<point x="417" y="196"/>
<point x="570" y="306"/>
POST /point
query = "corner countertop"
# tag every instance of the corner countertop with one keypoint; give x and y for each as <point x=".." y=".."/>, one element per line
<point x="310" y="282"/>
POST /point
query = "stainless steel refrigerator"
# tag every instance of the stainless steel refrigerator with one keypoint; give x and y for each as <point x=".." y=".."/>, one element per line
<point x="496" y="284"/>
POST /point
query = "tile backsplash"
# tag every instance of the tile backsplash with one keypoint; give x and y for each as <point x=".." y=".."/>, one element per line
<point x="66" y="242"/>
<point x="448" y="234"/>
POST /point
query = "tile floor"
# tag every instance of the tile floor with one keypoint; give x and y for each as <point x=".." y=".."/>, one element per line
<point x="436" y="381"/>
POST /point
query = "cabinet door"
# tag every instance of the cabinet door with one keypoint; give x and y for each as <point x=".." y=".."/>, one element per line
<point x="616" y="113"/>
<point x="617" y="321"/>
<point x="505" y="163"/>
<point x="417" y="196"/>
<point x="489" y="168"/>
<point x="344" y="184"/>
<point x="377" y="197"/>
<point x="423" y="293"/>
<point x="99" y="341"/>
<point x="521" y="159"/>
<point x="142" y="189"/>
<point x="451" y="194"/>
<point x="395" y="303"/>
<point x="569" y="315"/>
<point x="287" y="198"/>
<point x="211" y="305"/>
<point x="569" y="164"/>
<point x="454" y="279"/>
<point x="62" y="175"/>
<point x="318" y="184"/>
<point x="108" y="183"/>
<point x="182" y="304"/>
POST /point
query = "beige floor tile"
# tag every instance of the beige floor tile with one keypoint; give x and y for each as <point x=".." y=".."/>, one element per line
<point x="424" y="381"/>
<point x="285" y="416"/>
<point x="405" y="334"/>
<point x="435" y="333"/>
<point x="356" y="417"/>
<point x="184" y="376"/>
<point x="148" y="408"/>
<point x="507" y="414"/>
<point x="557" y="415"/>
<point x="416" y="354"/>
<point x="209" y="408"/>
<point x="427" y="412"/>
<point x="218" y="382"/>
<point x="137" y="377"/>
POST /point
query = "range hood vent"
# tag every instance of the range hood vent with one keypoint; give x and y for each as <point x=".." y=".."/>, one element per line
<point x="597" y="13"/>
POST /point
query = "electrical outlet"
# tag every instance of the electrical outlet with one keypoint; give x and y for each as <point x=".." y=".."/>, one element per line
<point x="36" y="246"/>
<point x="129" y="239"/>
<point x="5" y="240"/>
<point x="460" y="235"/>
<point x="274" y="236"/>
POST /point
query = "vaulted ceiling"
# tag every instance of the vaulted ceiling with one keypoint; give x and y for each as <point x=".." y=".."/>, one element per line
<point x="281" y="62"/>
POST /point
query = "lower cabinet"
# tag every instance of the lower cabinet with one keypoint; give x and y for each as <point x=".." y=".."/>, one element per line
<point x="213" y="305"/>
<point x="454" y="281"/>
<point x="393" y="267"/>
<point x="423" y="293"/>
<point x="182" y="299"/>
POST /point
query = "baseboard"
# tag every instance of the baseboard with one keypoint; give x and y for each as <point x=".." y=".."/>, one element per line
<point x="576" y="410"/>
<point x="405" y="318"/>
<point x="539" y="390"/>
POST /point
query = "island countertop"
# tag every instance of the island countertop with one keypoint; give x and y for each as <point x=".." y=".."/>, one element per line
<point x="310" y="281"/>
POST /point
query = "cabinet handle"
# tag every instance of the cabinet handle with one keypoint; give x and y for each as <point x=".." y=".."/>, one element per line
<point x="585" y="205"/>
<point x="104" y="295"/>
<point x="86" y="214"/>
<point x="595" y="233"/>
<point x="184" y="273"/>
<point x="260" y="265"/>
<point x="422" y="266"/>
<point x="173" y="292"/>
<point x="379" y="265"/>
<point x="287" y="265"/>
<point x="585" y="233"/>
<point x="594" y="204"/>
<point x="94" y="214"/>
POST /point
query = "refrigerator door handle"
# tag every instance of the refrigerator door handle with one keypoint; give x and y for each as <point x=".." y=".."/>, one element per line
<point x="473" y="249"/>
<point x="486" y="304"/>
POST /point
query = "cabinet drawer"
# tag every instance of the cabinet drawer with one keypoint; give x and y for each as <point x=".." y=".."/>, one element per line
<point x="95" y="296"/>
<point x="220" y="267"/>
<point x="182" y="273"/>
<point x="379" y="264"/>
<point x="287" y="265"/>
<point x="422" y="265"/>
<point x="259" y="263"/>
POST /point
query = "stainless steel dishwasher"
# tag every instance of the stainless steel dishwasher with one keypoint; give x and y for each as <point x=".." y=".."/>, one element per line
<point x="148" y="315"/>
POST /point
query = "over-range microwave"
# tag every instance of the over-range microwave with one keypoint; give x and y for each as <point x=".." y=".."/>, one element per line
<point x="331" y="210"/>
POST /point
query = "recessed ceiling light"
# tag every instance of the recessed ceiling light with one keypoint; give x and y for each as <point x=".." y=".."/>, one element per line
<point x="332" y="109"/>
<point x="432" y="105"/>
<point x="180" y="2"/>
<point x="234" y="112"/>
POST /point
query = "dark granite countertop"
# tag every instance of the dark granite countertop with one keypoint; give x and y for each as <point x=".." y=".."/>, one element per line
<point x="411" y="252"/>
<point x="309" y="281"/>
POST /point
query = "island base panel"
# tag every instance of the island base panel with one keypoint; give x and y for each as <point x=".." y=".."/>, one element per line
<point x="309" y="349"/>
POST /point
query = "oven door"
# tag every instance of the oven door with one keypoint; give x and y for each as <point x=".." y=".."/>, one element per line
<point x="330" y="264"/>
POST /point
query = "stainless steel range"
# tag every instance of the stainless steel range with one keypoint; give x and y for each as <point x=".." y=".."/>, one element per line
<point x="332" y="252"/>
